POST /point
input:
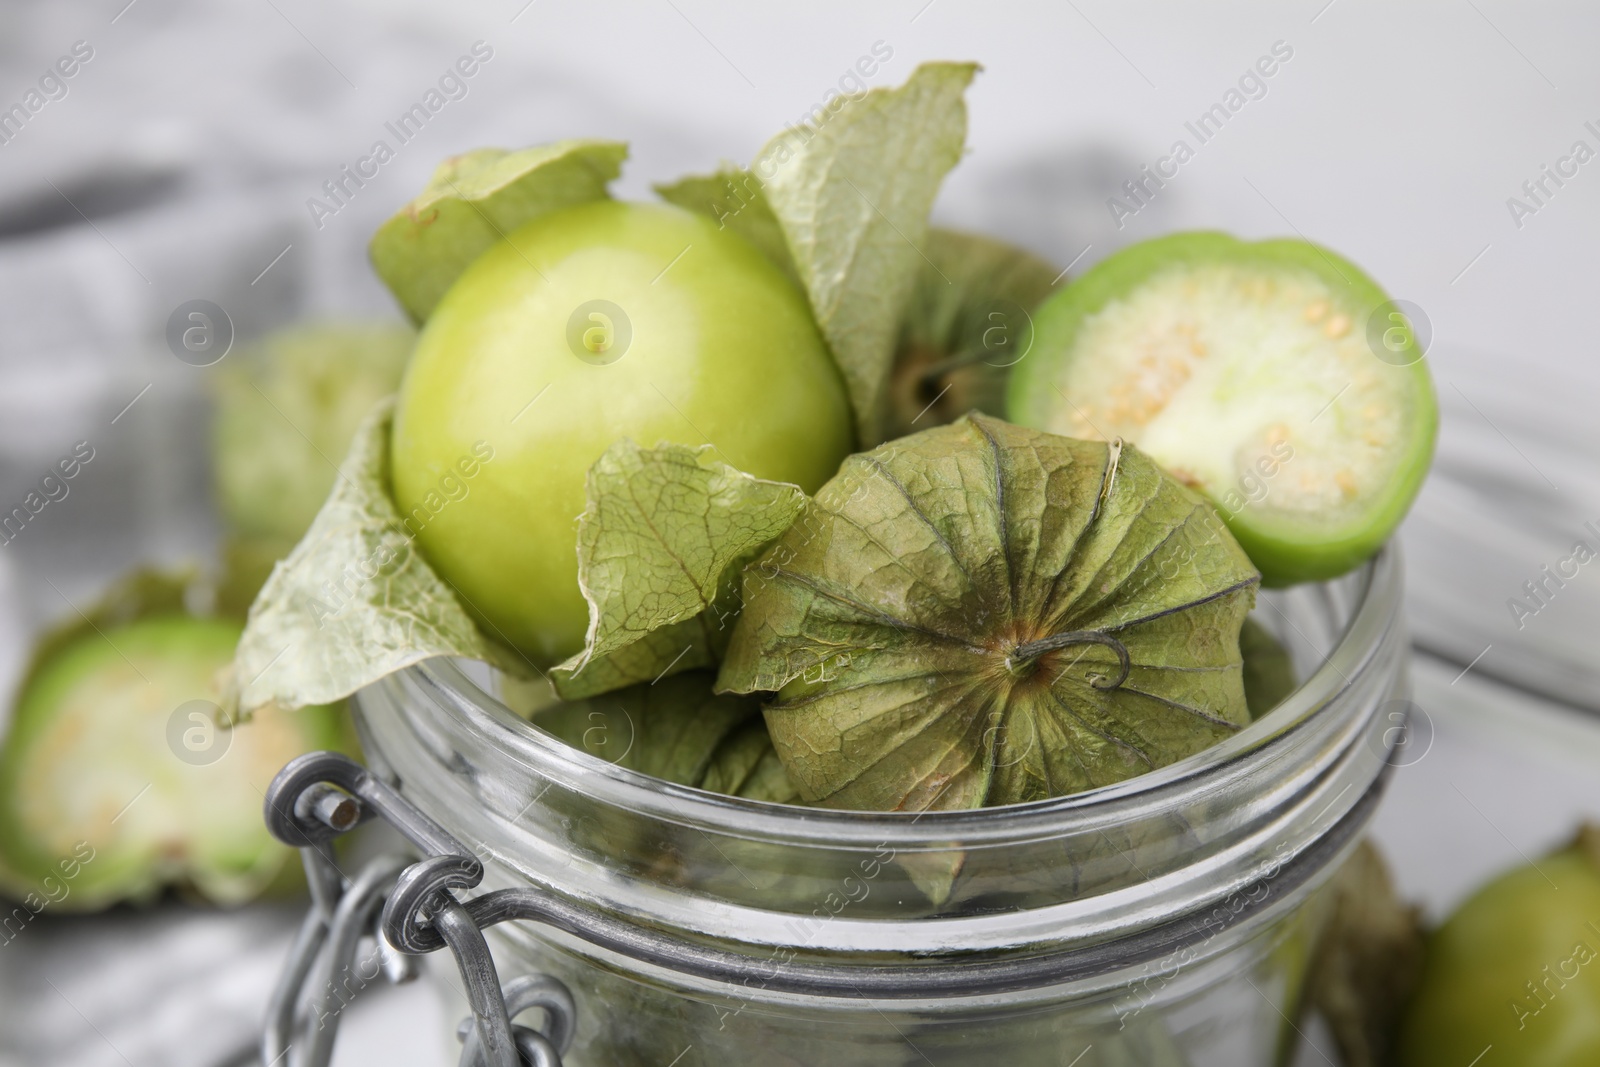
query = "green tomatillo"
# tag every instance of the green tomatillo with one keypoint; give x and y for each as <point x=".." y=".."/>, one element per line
<point x="600" y="322"/>
<point x="1512" y="979"/>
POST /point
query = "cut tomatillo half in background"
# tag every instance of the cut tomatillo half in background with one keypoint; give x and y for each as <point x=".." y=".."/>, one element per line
<point x="1273" y="376"/>
<point x="118" y="777"/>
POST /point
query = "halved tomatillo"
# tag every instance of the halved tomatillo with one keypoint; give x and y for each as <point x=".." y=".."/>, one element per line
<point x="117" y="778"/>
<point x="1273" y="376"/>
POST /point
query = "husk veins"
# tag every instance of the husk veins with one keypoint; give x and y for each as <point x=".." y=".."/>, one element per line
<point x="983" y="614"/>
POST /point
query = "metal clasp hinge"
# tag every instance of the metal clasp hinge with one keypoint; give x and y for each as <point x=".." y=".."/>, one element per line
<point x="405" y="909"/>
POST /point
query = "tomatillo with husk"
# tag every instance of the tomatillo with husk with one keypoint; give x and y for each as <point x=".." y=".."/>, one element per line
<point x="600" y="322"/>
<point x="968" y="322"/>
<point x="982" y="614"/>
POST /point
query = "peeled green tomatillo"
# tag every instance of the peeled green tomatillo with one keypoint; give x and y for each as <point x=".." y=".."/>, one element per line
<point x="116" y="778"/>
<point x="1273" y="376"/>
<point x="1513" y="976"/>
<point x="583" y="327"/>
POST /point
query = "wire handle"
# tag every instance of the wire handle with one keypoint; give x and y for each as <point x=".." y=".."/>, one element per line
<point x="406" y="908"/>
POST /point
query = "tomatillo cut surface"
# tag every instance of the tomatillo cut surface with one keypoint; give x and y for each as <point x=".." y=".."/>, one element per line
<point x="600" y="322"/>
<point x="1273" y="376"/>
<point x="982" y="614"/>
<point x="117" y="779"/>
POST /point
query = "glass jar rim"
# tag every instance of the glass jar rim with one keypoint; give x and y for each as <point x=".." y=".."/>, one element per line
<point x="1373" y="618"/>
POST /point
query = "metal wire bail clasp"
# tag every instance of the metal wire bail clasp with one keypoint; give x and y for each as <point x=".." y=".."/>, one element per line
<point x="406" y="909"/>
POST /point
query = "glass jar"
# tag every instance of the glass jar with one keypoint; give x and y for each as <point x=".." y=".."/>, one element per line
<point x="1166" y="920"/>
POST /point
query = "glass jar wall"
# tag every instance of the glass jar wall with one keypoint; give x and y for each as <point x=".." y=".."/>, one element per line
<point x="1166" y="920"/>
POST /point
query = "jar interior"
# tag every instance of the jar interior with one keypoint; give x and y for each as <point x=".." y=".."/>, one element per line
<point x="1087" y="869"/>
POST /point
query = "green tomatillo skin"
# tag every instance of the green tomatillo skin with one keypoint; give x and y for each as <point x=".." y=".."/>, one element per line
<point x="1515" y="970"/>
<point x="514" y="379"/>
<point x="102" y="799"/>
<point x="1250" y="371"/>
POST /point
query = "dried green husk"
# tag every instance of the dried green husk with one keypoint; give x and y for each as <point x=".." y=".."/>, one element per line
<point x="354" y="601"/>
<point x="746" y="765"/>
<point x="474" y="200"/>
<point x="733" y="197"/>
<point x="842" y="205"/>
<point x="657" y="549"/>
<point x="680" y="730"/>
<point x="1269" y="673"/>
<point x="969" y="321"/>
<point x="982" y="614"/>
<point x="1368" y="961"/>
<point x="670" y="730"/>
